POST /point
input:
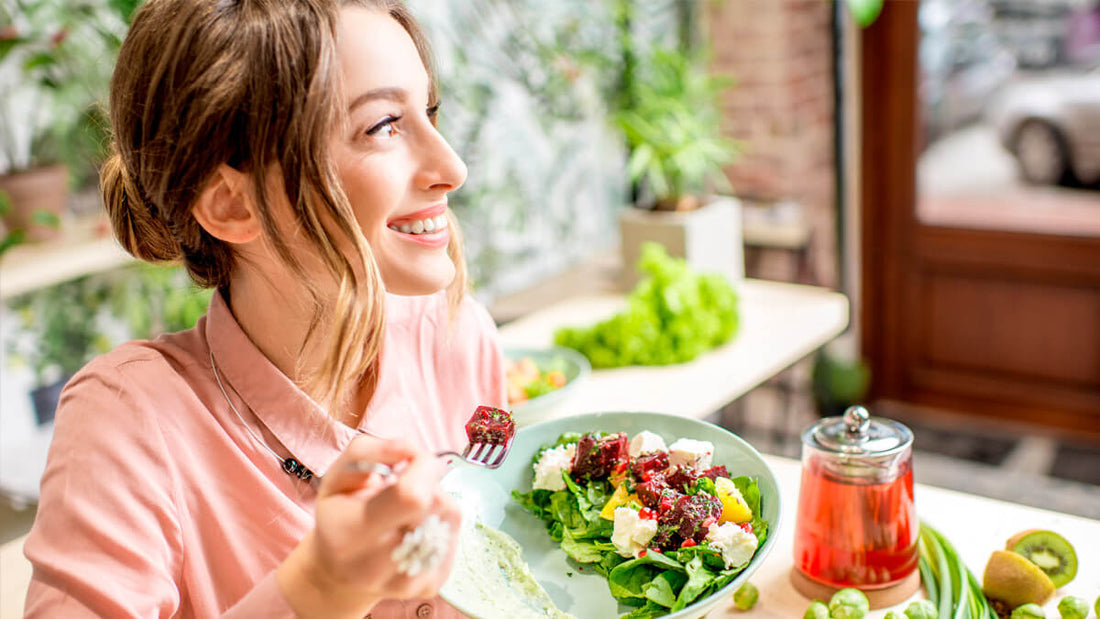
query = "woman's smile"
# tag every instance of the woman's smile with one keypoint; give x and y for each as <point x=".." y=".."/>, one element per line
<point x="427" y="227"/>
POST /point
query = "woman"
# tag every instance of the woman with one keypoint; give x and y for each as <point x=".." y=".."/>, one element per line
<point x="286" y="153"/>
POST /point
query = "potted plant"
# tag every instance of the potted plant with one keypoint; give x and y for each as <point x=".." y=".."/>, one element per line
<point x="60" y="334"/>
<point x="55" y="64"/>
<point x="673" y="133"/>
<point x="672" y="129"/>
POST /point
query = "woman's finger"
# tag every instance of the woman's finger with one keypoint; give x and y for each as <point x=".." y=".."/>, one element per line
<point x="350" y="473"/>
<point x="410" y="497"/>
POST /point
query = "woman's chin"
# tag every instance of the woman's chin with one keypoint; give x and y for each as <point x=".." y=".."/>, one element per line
<point x="407" y="283"/>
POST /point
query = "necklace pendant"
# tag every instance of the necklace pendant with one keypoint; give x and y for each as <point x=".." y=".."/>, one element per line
<point x="293" y="467"/>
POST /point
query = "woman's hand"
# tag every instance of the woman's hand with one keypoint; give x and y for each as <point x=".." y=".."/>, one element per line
<point x="343" y="567"/>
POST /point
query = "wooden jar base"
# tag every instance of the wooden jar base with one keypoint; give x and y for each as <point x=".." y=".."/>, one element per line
<point x="879" y="598"/>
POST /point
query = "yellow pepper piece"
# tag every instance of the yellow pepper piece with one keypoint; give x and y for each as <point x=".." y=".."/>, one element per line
<point x="619" y="498"/>
<point x="734" y="507"/>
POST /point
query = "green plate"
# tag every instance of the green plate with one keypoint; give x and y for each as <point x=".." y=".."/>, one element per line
<point x="584" y="593"/>
<point x="574" y="365"/>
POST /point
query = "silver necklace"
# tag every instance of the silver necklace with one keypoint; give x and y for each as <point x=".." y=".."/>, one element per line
<point x="290" y="465"/>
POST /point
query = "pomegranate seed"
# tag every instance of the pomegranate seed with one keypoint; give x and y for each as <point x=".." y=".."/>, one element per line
<point x="688" y="543"/>
<point x="642" y="553"/>
<point x="747" y="527"/>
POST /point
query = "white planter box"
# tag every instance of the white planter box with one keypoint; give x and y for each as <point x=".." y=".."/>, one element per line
<point x="709" y="238"/>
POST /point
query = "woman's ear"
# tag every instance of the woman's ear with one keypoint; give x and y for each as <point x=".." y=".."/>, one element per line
<point x="225" y="207"/>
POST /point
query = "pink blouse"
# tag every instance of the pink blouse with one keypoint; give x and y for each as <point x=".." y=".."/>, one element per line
<point x="158" y="502"/>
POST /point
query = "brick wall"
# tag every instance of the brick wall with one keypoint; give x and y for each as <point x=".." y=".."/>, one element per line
<point x="780" y="54"/>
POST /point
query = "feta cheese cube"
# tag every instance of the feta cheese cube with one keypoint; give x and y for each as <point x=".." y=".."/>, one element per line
<point x="736" y="545"/>
<point x="550" y="465"/>
<point x="691" y="453"/>
<point x="632" y="533"/>
<point x="646" y="442"/>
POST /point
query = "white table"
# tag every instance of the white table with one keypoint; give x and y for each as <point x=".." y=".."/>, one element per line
<point x="779" y="324"/>
<point x="975" y="526"/>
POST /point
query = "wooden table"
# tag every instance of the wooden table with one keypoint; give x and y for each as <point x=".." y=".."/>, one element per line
<point x="976" y="526"/>
<point x="779" y="324"/>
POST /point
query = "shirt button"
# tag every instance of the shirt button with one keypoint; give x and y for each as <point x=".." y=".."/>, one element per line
<point x="425" y="610"/>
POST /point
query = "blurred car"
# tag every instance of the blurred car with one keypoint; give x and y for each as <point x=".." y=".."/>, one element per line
<point x="1051" y="124"/>
<point x="962" y="64"/>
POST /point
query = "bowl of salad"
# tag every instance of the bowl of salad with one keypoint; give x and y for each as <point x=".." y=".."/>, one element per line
<point x="541" y="379"/>
<point x="615" y="515"/>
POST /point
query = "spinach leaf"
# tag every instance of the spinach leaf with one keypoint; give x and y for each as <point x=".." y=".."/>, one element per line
<point x="629" y="580"/>
<point x="663" y="588"/>
<point x="751" y="493"/>
<point x="699" y="578"/>
<point x="584" y="551"/>
<point x="649" y="611"/>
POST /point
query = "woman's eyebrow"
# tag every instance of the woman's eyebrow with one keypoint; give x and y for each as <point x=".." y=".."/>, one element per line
<point x="394" y="94"/>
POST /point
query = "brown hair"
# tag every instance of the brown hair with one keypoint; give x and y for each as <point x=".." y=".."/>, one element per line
<point x="251" y="84"/>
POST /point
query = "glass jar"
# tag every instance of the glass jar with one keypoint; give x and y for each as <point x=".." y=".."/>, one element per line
<point x="857" y="522"/>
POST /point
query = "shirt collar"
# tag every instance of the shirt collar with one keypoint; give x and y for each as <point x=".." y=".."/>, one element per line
<point x="306" y="431"/>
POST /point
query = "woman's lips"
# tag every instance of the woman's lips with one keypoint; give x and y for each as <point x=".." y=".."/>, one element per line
<point x="436" y="238"/>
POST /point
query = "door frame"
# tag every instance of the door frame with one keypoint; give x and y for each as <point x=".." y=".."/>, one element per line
<point x="898" y="250"/>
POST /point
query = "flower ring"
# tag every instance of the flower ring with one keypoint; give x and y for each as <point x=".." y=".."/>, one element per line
<point x="423" y="548"/>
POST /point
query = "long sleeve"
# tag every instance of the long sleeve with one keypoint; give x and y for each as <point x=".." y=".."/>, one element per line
<point x="107" y="539"/>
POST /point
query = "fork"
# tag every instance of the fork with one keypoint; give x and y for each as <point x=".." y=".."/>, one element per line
<point x="488" y="455"/>
<point x="483" y="454"/>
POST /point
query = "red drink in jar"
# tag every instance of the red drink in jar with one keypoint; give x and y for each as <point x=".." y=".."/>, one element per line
<point x="854" y="533"/>
<point x="857" y="523"/>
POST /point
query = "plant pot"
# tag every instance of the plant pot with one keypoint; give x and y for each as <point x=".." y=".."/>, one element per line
<point x="708" y="237"/>
<point x="45" y="400"/>
<point x="38" y="190"/>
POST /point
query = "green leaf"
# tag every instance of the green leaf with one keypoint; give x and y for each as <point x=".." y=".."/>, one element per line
<point x="11" y="239"/>
<point x="865" y="12"/>
<point x="45" y="218"/>
<point x="38" y="60"/>
<point x="699" y="578"/>
<point x="584" y="551"/>
<point x="662" y="589"/>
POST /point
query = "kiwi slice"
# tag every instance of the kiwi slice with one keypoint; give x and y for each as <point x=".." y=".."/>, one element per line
<point x="1015" y="581"/>
<point x="1048" y="550"/>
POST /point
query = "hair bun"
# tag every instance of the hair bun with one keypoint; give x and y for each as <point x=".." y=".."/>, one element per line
<point x="136" y="226"/>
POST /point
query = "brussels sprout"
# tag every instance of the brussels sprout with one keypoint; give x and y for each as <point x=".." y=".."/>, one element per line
<point x="746" y="596"/>
<point x="849" y="604"/>
<point x="892" y="615"/>
<point x="1028" y="611"/>
<point x="1072" y="607"/>
<point x="1096" y="606"/>
<point x="817" y="610"/>
<point x="921" y="609"/>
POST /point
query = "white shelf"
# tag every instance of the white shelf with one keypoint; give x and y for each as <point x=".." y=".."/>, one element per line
<point x="84" y="248"/>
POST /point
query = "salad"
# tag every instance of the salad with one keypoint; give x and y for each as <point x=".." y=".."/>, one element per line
<point x="526" y="380"/>
<point x="663" y="524"/>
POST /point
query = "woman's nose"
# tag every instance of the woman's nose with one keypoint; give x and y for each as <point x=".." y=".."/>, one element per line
<point x="440" y="165"/>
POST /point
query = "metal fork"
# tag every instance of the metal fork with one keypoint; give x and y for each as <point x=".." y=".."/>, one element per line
<point x="487" y="455"/>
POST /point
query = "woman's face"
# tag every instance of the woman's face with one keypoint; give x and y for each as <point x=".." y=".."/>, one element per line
<point x="395" y="167"/>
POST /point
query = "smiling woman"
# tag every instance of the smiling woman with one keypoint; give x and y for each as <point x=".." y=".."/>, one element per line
<point x="287" y="155"/>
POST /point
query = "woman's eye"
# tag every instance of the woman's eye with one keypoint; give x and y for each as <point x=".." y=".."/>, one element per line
<point x="386" y="128"/>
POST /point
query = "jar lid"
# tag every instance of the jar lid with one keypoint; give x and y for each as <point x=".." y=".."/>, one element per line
<point x="857" y="433"/>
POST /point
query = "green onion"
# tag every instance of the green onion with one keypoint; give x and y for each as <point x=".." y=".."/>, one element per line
<point x="951" y="587"/>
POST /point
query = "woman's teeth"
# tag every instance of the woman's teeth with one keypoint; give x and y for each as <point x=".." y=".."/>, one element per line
<point x="422" y="226"/>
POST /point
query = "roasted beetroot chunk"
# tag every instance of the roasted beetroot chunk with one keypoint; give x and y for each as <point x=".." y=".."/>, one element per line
<point x="490" y="425"/>
<point x="682" y="478"/>
<point x="598" y="455"/>
<point x="715" y="472"/>
<point x="650" y="492"/>
<point x="690" y="517"/>
<point x="645" y="466"/>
